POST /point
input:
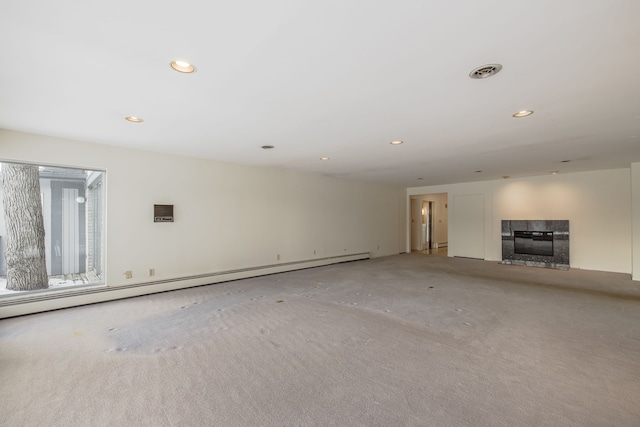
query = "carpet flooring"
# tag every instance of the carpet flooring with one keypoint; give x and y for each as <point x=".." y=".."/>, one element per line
<point x="407" y="340"/>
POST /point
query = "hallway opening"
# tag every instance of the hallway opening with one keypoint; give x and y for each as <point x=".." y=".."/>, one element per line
<point x="429" y="224"/>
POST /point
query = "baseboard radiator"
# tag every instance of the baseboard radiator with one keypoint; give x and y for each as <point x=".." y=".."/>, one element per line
<point x="38" y="301"/>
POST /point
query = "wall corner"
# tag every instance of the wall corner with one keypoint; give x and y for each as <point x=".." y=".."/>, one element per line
<point x="635" y="221"/>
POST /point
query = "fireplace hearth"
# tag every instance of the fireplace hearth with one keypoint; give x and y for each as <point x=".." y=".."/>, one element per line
<point x="537" y="243"/>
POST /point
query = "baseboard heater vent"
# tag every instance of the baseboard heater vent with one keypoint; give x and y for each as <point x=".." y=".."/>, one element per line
<point x="50" y="300"/>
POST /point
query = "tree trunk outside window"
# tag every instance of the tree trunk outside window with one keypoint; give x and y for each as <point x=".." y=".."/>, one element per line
<point x="25" y="243"/>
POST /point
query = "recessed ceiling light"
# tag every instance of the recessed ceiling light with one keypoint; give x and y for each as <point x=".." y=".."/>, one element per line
<point x="565" y="161"/>
<point x="554" y="172"/>
<point x="183" y="66"/>
<point x="134" y="119"/>
<point x="324" y="158"/>
<point x="397" y="142"/>
<point x="478" y="171"/>
<point x="523" y="113"/>
<point x="505" y="176"/>
<point x="267" y="147"/>
<point x="485" y="71"/>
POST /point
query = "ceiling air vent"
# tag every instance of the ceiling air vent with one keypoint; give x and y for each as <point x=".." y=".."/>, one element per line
<point x="485" y="71"/>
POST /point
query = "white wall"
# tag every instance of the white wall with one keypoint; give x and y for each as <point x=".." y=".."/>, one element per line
<point x="597" y="205"/>
<point x="226" y="216"/>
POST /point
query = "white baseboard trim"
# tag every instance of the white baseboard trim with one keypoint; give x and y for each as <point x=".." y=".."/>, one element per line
<point x="39" y="301"/>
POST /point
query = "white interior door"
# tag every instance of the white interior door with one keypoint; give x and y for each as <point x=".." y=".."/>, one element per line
<point x="468" y="226"/>
<point x="416" y="224"/>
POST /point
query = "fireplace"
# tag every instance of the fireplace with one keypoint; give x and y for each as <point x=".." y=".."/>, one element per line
<point x="539" y="243"/>
<point x="533" y="243"/>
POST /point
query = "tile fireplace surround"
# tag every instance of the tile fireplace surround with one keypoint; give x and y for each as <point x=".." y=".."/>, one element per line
<point x="534" y="245"/>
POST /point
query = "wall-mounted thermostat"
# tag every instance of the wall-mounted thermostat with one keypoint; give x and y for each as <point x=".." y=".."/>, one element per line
<point x="162" y="213"/>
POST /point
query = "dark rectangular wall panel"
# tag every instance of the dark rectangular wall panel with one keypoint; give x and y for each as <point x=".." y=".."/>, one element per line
<point x="541" y="243"/>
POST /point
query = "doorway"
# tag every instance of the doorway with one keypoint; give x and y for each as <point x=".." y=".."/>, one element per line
<point x="429" y="224"/>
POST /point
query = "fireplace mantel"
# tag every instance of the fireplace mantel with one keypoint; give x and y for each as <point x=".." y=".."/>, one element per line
<point x="534" y="245"/>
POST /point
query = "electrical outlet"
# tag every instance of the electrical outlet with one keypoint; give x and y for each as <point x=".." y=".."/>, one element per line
<point x="278" y="257"/>
<point x="152" y="272"/>
<point x="128" y="274"/>
<point x="314" y="251"/>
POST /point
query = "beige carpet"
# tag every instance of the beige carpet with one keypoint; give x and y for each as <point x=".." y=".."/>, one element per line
<point x="409" y="340"/>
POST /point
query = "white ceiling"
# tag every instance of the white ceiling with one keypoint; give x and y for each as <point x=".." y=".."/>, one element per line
<point x="334" y="78"/>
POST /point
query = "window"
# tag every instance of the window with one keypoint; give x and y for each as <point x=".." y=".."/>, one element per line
<point x="51" y="227"/>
